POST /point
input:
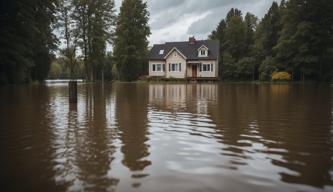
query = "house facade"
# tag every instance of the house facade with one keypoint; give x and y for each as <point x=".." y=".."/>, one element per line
<point x="189" y="59"/>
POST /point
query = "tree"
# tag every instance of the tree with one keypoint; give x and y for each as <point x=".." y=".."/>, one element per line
<point x="306" y="41"/>
<point x="236" y="35"/>
<point x="235" y="42"/>
<point x="267" y="67"/>
<point x="219" y="34"/>
<point x="250" y="28"/>
<point x="95" y="22"/>
<point x="68" y="34"/>
<point x="26" y="40"/>
<point x="55" y="70"/>
<point x="130" y="44"/>
<point x="267" y="35"/>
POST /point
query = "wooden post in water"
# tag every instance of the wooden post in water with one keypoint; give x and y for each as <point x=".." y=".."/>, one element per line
<point x="72" y="90"/>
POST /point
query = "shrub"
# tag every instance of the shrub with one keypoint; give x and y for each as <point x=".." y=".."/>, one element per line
<point x="281" y="76"/>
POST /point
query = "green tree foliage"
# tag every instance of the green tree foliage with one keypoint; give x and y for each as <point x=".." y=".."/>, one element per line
<point x="60" y="69"/>
<point x="108" y="64"/>
<point x="94" y="24"/>
<point x="295" y="36"/>
<point x="306" y="41"/>
<point x="236" y="35"/>
<point x="55" y="70"/>
<point x="130" y="44"/>
<point x="26" y="40"/>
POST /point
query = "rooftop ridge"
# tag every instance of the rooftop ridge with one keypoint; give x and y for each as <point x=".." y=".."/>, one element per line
<point x="187" y="41"/>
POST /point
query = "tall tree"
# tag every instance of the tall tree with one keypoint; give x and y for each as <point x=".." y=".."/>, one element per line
<point x="236" y="35"/>
<point x="130" y="45"/>
<point x="102" y="31"/>
<point x="95" y="22"/>
<point x="267" y="35"/>
<point x="69" y="36"/>
<point x="219" y="34"/>
<point x="306" y="40"/>
<point x="26" y="39"/>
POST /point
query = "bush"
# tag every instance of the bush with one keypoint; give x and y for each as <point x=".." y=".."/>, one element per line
<point x="281" y="76"/>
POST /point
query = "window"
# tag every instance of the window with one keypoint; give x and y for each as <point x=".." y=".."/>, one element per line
<point x="203" y="51"/>
<point x="158" y="67"/>
<point x="175" y="67"/>
<point x="207" y="67"/>
<point x="161" y="52"/>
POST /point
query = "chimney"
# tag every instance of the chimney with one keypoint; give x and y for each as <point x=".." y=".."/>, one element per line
<point x="191" y="40"/>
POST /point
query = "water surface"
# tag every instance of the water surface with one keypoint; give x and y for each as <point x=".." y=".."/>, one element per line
<point x="167" y="137"/>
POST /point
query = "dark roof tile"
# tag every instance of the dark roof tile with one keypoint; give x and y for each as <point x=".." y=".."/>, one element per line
<point x="189" y="50"/>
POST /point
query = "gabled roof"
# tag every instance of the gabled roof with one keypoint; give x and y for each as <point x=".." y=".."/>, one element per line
<point x="190" y="51"/>
<point x="175" y="49"/>
<point x="202" y="46"/>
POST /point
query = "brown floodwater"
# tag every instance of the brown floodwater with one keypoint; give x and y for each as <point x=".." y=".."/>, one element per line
<point x="167" y="137"/>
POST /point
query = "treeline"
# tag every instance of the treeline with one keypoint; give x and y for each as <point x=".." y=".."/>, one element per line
<point x="26" y="39"/>
<point x="85" y="26"/>
<point x="295" y="36"/>
<point x="73" y="35"/>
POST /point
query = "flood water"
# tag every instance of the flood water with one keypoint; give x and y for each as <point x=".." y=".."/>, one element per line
<point x="167" y="137"/>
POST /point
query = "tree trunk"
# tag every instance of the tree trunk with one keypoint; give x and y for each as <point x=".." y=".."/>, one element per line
<point x="102" y="75"/>
<point x="72" y="88"/>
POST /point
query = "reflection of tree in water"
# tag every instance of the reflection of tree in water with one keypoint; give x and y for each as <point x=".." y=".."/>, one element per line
<point x="131" y="114"/>
<point x="291" y="121"/>
<point x="27" y="139"/>
<point x="304" y="115"/>
<point x="95" y="149"/>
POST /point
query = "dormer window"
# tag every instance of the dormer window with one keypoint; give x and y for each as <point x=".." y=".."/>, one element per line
<point x="203" y="51"/>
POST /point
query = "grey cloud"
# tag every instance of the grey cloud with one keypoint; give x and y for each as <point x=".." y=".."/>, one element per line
<point x="166" y="12"/>
<point x="158" y="6"/>
<point x="204" y="25"/>
<point x="207" y="24"/>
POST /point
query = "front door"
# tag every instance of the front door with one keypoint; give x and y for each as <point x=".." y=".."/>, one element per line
<point x="194" y="70"/>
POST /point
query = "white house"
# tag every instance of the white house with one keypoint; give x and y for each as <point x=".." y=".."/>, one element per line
<point x="190" y="59"/>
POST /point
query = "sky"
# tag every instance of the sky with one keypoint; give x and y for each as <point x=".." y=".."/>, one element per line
<point x="176" y="20"/>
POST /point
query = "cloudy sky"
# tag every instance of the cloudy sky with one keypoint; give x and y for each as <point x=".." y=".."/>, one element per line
<point x="176" y="20"/>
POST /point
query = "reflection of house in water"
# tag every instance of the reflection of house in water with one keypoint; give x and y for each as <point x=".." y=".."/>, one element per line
<point x="182" y="97"/>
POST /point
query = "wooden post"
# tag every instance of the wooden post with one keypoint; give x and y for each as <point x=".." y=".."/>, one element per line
<point x="72" y="88"/>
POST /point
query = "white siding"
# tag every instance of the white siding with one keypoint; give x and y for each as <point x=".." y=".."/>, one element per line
<point x="212" y="73"/>
<point x="186" y="69"/>
<point x="175" y="57"/>
<point x="156" y="73"/>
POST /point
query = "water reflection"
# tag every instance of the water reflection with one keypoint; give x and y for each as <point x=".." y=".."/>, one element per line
<point x="131" y="113"/>
<point x="85" y="145"/>
<point x="164" y="137"/>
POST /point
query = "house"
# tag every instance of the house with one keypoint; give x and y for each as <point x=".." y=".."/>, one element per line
<point x="190" y="59"/>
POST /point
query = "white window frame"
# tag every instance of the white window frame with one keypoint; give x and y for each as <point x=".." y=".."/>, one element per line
<point x="207" y="67"/>
<point x="175" y="67"/>
<point x="157" y="67"/>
